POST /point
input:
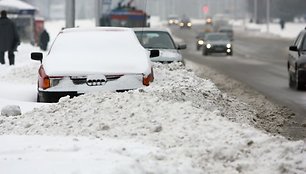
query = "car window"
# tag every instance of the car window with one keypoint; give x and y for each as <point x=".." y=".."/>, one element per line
<point x="298" y="40"/>
<point x="304" y="44"/>
<point x="216" y="37"/>
<point x="154" y="39"/>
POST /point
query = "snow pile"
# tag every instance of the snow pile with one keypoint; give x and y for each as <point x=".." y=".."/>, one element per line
<point x="180" y="116"/>
<point x="11" y="110"/>
<point x="83" y="155"/>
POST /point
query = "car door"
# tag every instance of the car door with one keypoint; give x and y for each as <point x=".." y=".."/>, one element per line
<point x="294" y="55"/>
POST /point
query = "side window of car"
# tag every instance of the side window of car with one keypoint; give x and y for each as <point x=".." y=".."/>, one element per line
<point x="304" y="43"/>
<point x="298" y="41"/>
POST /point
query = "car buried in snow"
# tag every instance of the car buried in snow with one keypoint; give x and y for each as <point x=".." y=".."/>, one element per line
<point x="82" y="60"/>
<point x="160" y="39"/>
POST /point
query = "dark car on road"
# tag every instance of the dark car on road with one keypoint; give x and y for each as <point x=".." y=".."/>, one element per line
<point x="217" y="43"/>
<point x="185" y="23"/>
<point x="297" y="62"/>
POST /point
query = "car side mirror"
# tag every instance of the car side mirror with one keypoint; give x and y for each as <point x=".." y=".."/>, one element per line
<point x="181" y="46"/>
<point x="293" y="48"/>
<point x="154" y="53"/>
<point x="37" y="56"/>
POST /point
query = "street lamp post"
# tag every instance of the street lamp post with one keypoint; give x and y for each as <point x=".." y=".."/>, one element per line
<point x="98" y="10"/>
<point x="255" y="10"/>
<point x="268" y="16"/>
<point x="70" y="13"/>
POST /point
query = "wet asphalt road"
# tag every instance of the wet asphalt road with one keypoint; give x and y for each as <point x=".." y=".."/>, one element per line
<point x="258" y="62"/>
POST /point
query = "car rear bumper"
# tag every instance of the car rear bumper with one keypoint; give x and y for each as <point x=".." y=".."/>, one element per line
<point x="52" y="97"/>
<point x="77" y="86"/>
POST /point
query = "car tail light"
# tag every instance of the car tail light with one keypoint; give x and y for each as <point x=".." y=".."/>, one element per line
<point x="45" y="81"/>
<point x="149" y="78"/>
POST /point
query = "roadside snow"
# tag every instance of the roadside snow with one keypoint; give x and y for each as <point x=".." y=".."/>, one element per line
<point x="177" y="125"/>
<point x="188" y="132"/>
<point x="290" y="31"/>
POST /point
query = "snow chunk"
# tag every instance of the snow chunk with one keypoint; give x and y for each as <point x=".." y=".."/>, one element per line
<point x="11" y="110"/>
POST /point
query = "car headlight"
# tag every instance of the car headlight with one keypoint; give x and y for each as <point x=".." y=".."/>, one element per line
<point x="181" y="24"/>
<point x="189" y="24"/>
<point x="200" y="42"/>
<point x="228" y="45"/>
<point x="208" y="46"/>
<point x="171" y="21"/>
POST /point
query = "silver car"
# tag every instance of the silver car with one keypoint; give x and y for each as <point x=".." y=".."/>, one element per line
<point x="160" y="39"/>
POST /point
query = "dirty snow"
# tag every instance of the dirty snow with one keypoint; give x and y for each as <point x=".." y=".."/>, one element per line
<point x="176" y="125"/>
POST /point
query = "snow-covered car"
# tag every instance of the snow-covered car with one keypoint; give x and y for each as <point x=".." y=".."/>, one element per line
<point x="93" y="59"/>
<point x="161" y="40"/>
<point x="217" y="43"/>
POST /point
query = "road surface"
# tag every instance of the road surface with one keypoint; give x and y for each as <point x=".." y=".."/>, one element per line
<point x="259" y="62"/>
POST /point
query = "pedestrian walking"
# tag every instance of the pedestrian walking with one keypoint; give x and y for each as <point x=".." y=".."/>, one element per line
<point x="44" y="40"/>
<point x="9" y="38"/>
<point x="282" y="24"/>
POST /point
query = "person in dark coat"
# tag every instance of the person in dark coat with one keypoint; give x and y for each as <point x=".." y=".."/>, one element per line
<point x="44" y="40"/>
<point x="9" y="38"/>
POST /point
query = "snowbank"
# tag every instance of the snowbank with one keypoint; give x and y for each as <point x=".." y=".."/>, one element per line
<point x="178" y="116"/>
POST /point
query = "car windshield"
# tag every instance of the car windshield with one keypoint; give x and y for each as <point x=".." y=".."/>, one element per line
<point x="155" y="39"/>
<point x="216" y="37"/>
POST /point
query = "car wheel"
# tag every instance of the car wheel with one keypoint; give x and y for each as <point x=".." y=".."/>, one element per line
<point x="229" y="54"/>
<point x="298" y="85"/>
<point x="291" y="82"/>
<point x="198" y="48"/>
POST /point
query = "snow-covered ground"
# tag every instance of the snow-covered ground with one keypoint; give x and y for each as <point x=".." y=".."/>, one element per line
<point x="173" y="126"/>
<point x="290" y="31"/>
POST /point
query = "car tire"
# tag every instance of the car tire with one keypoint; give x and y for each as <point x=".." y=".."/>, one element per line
<point x="297" y="84"/>
<point x="291" y="81"/>
<point x="229" y="54"/>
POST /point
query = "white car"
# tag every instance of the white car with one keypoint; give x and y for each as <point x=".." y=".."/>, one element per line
<point x="162" y="40"/>
<point x="93" y="59"/>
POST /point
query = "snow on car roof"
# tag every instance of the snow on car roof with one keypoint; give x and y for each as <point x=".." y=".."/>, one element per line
<point x="96" y="50"/>
<point x="105" y="29"/>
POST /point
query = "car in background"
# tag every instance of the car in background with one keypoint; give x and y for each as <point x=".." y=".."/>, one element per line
<point x="173" y="20"/>
<point x="229" y="31"/>
<point x="82" y="60"/>
<point x="217" y="43"/>
<point x="200" y="40"/>
<point x="160" y="39"/>
<point x="185" y="23"/>
<point x="296" y="64"/>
